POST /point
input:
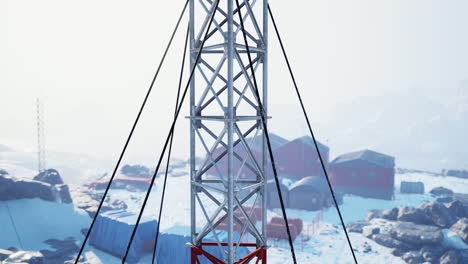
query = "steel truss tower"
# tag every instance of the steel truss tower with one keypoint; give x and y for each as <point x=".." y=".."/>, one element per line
<point x="225" y="129"/>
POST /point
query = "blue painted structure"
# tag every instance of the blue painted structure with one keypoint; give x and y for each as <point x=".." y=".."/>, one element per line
<point x="112" y="232"/>
<point x="172" y="246"/>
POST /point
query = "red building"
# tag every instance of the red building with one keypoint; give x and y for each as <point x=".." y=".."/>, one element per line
<point x="122" y="182"/>
<point x="299" y="158"/>
<point x="365" y="173"/>
<point x="246" y="170"/>
<point x="295" y="159"/>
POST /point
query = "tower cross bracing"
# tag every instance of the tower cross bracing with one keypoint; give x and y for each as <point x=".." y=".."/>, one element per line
<point x="225" y="125"/>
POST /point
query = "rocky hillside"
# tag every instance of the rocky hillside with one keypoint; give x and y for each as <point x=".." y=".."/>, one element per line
<point x="434" y="232"/>
<point x="47" y="186"/>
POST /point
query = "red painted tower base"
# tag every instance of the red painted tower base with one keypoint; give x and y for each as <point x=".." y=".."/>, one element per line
<point x="260" y="254"/>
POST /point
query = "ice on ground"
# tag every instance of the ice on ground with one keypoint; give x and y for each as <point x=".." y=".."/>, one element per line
<point x="36" y="220"/>
<point x="452" y="239"/>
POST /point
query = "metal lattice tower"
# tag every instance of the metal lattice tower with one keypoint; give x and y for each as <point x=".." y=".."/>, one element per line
<point x="226" y="126"/>
<point x="41" y="159"/>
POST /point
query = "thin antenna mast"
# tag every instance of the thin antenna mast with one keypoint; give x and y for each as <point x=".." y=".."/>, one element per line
<point x="41" y="159"/>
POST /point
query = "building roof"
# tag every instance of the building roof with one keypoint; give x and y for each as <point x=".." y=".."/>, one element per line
<point x="371" y="156"/>
<point x="271" y="185"/>
<point x="275" y="140"/>
<point x="307" y="140"/>
<point x="316" y="182"/>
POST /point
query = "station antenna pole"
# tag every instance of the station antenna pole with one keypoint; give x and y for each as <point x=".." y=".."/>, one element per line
<point x="41" y="159"/>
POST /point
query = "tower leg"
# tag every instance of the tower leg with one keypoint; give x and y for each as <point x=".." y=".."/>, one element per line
<point x="260" y="254"/>
<point x="225" y="129"/>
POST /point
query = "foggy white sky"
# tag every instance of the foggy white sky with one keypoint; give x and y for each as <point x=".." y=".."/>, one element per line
<point x="91" y="63"/>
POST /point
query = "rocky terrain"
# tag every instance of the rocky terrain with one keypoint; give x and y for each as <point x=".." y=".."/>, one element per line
<point x="424" y="234"/>
<point x="88" y="200"/>
<point x="63" y="251"/>
<point x="49" y="186"/>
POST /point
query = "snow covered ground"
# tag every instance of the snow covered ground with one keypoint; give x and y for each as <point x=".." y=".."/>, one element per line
<point x="37" y="221"/>
<point x="328" y="243"/>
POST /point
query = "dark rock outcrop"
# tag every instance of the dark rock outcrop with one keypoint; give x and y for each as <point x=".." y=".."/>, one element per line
<point x="357" y="226"/>
<point x="49" y="176"/>
<point x="373" y="214"/>
<point x="6" y="184"/>
<point x="412" y="258"/>
<point x="4" y="254"/>
<point x="84" y="231"/>
<point x="411" y="214"/>
<point x="136" y="171"/>
<point x="418" y="235"/>
<point x="444" y="199"/>
<point x="369" y="231"/>
<point x="64" y="250"/>
<point x="449" y="257"/>
<point x="11" y="189"/>
<point x="13" y="249"/>
<point x="461" y="228"/>
<point x="397" y="252"/>
<point x="437" y="214"/>
<point x="387" y="241"/>
<point x="458" y="208"/>
<point x="431" y="254"/>
<point x="64" y="193"/>
<point x="441" y="191"/>
<point x="366" y="248"/>
<point x="391" y="214"/>
<point x="415" y="234"/>
<point x="463" y="255"/>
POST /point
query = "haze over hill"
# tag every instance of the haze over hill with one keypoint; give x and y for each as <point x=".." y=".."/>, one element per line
<point x="420" y="131"/>
<point x="386" y="75"/>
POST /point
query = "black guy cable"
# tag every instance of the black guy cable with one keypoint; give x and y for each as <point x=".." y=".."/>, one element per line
<point x="14" y="225"/>
<point x="170" y="147"/>
<point x="171" y="131"/>
<point x="312" y="133"/>
<point x="270" y="150"/>
<point x="130" y="135"/>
